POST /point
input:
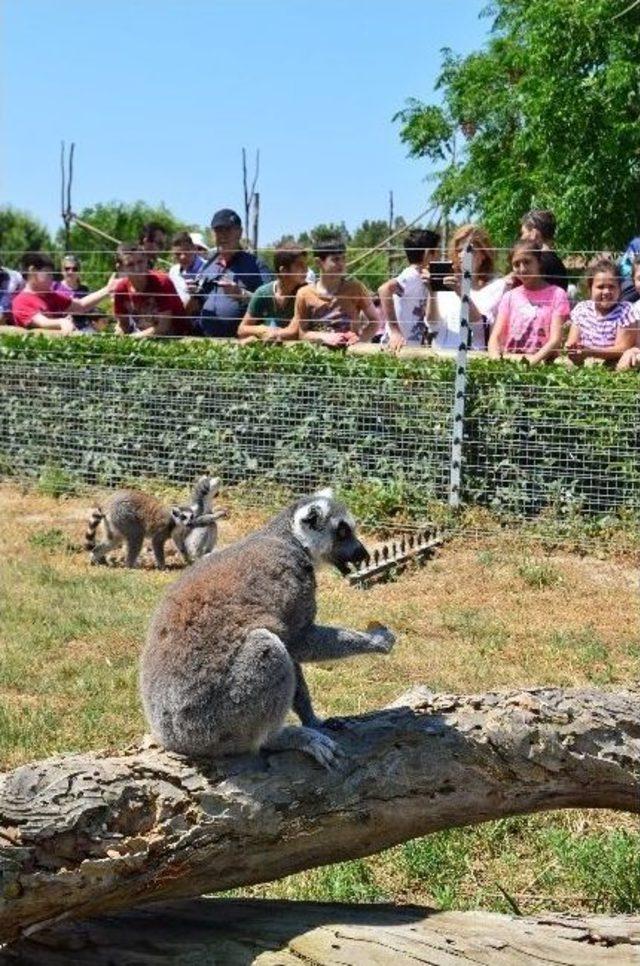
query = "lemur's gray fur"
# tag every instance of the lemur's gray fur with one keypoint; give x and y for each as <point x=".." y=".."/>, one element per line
<point x="201" y="537"/>
<point x="221" y="666"/>
<point x="129" y="517"/>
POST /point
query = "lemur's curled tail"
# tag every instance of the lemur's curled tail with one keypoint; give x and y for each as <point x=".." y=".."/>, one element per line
<point x="94" y="522"/>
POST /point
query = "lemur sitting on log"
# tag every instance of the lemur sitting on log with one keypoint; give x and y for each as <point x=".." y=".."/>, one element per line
<point x="221" y="666"/>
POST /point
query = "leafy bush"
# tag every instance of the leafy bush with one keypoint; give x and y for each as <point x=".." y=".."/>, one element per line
<point x="537" y="441"/>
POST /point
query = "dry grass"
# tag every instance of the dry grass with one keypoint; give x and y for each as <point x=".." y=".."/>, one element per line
<point x="482" y="615"/>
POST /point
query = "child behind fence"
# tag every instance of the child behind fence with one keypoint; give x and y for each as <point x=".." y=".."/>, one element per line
<point x="531" y="315"/>
<point x="602" y="326"/>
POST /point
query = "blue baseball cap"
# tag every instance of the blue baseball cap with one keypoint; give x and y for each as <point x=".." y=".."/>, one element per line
<point x="226" y="218"/>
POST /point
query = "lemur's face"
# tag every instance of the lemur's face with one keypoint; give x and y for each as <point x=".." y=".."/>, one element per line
<point x="328" y="532"/>
<point x="183" y="516"/>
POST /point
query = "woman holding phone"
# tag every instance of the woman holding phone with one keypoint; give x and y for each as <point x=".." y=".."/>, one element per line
<point x="443" y="316"/>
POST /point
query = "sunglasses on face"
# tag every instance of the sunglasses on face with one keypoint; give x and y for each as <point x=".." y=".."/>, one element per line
<point x="70" y="268"/>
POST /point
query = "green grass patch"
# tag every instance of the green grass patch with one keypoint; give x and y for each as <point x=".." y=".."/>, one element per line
<point x="538" y="573"/>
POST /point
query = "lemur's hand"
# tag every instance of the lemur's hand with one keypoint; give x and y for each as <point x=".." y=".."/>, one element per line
<point x="381" y="636"/>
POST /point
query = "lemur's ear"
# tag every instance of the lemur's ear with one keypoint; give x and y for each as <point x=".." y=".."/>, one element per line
<point x="180" y="515"/>
<point x="327" y="493"/>
<point x="312" y="516"/>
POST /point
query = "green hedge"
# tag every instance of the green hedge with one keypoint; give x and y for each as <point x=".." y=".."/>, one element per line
<point x="108" y="409"/>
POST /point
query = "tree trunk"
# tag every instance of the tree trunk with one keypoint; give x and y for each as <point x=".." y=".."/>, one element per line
<point x="85" y="834"/>
<point x="202" y="932"/>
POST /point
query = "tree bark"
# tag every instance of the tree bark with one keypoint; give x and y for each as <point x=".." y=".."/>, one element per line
<point x="81" y="835"/>
<point x="202" y="932"/>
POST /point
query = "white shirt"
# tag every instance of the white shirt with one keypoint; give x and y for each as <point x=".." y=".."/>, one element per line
<point x="448" y="306"/>
<point x="409" y="303"/>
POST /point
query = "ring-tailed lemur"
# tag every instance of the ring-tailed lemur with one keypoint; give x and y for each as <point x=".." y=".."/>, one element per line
<point x="129" y="517"/>
<point x="221" y="666"/>
<point x="201" y="536"/>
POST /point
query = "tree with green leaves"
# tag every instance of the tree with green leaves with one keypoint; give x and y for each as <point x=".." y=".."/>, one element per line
<point x="120" y="221"/>
<point x="20" y="233"/>
<point x="547" y="115"/>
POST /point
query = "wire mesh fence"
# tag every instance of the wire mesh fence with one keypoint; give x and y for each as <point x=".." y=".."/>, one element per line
<point x="568" y="445"/>
<point x="109" y="424"/>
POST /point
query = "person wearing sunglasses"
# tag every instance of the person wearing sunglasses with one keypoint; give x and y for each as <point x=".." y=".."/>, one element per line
<point x="72" y="285"/>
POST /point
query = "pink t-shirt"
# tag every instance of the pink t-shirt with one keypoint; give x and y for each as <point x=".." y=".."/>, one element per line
<point x="529" y="313"/>
<point x="27" y="304"/>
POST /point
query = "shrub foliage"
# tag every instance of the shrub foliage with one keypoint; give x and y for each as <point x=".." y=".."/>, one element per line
<point x="107" y="410"/>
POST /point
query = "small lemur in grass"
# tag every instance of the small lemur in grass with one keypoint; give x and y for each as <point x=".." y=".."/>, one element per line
<point x="222" y="663"/>
<point x="129" y="517"/>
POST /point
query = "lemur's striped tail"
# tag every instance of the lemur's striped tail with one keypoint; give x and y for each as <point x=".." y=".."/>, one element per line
<point x="94" y="522"/>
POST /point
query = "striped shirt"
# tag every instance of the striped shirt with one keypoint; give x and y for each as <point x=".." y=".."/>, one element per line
<point x="599" y="331"/>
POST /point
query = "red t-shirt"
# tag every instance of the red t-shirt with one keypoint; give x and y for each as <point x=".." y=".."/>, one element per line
<point x="26" y="304"/>
<point x="160" y="298"/>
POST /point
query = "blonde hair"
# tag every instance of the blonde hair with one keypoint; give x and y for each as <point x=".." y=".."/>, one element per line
<point x="480" y="239"/>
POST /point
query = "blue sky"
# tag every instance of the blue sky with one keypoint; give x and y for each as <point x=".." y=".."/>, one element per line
<point x="161" y="95"/>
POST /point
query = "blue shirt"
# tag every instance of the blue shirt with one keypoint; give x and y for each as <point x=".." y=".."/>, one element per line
<point x="221" y="314"/>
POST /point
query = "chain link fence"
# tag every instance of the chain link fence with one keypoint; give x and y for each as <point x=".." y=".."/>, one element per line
<point x="110" y="424"/>
<point x="569" y="445"/>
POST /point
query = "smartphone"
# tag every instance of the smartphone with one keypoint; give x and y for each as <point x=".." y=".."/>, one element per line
<point x="438" y="271"/>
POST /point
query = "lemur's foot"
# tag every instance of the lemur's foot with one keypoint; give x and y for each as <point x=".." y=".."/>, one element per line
<point x="382" y="637"/>
<point x="324" y="749"/>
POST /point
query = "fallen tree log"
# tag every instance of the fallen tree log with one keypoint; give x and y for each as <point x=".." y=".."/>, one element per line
<point x="205" y="931"/>
<point x="81" y="835"/>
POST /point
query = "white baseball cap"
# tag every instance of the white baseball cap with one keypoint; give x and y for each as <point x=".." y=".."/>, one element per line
<point x="198" y="240"/>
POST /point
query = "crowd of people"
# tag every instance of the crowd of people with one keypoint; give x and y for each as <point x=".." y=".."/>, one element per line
<point x="533" y="311"/>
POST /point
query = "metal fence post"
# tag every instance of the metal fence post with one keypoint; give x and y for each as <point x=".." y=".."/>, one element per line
<point x="460" y="385"/>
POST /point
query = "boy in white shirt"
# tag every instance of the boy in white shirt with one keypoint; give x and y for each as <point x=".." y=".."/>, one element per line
<point x="404" y="299"/>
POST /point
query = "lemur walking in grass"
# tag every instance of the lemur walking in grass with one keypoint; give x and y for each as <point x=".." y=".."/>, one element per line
<point x="222" y="663"/>
<point x="129" y="517"/>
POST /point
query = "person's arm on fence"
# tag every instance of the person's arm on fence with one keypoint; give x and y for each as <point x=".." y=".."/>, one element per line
<point x="572" y="345"/>
<point x="388" y="312"/>
<point x="288" y="333"/>
<point x="499" y="329"/>
<point x="625" y="339"/>
<point x="370" y="312"/>
<point x="93" y="298"/>
<point x="552" y="344"/>
<point x="252" y="327"/>
<point x="560" y="312"/>
<point x="65" y="324"/>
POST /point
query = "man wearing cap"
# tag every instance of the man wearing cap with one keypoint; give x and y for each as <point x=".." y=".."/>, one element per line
<point x="226" y="282"/>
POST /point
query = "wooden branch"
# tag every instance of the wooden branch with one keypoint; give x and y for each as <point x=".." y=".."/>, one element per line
<point x="202" y="932"/>
<point x="85" y="834"/>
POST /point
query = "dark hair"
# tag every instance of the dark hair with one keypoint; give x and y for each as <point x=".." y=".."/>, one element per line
<point x="182" y="239"/>
<point x="37" y="262"/>
<point x="525" y="246"/>
<point x="128" y="248"/>
<point x="600" y="263"/>
<point x="417" y="242"/>
<point x="329" y="246"/>
<point x="149" y="229"/>
<point x="285" y="255"/>
<point x="543" y="220"/>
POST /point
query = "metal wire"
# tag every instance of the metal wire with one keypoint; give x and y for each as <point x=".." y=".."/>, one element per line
<point x="527" y="449"/>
